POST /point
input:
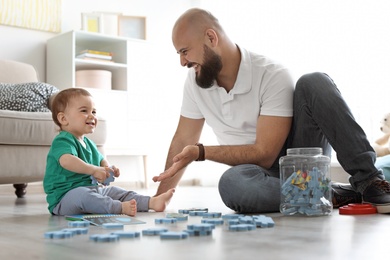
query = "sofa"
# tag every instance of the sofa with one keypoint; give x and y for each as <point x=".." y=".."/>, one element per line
<point x="27" y="128"/>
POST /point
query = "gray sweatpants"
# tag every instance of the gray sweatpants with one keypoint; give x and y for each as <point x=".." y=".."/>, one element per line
<point x="98" y="200"/>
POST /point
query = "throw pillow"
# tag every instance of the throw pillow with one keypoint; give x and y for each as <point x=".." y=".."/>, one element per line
<point x="28" y="97"/>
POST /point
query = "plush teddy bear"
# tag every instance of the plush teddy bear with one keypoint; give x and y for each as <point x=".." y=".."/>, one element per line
<point x="382" y="145"/>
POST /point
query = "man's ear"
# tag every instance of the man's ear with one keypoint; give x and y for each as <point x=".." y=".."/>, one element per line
<point x="62" y="118"/>
<point x="212" y="37"/>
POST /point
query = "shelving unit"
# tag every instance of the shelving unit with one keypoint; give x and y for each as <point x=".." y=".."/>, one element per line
<point x="62" y="64"/>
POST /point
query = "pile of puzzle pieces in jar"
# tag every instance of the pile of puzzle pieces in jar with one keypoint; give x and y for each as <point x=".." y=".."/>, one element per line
<point x="306" y="193"/>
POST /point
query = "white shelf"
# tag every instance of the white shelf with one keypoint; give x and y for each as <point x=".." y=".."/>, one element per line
<point x="62" y="63"/>
<point x="112" y="104"/>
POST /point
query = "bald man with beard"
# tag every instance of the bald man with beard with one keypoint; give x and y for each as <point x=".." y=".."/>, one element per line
<point x="256" y="113"/>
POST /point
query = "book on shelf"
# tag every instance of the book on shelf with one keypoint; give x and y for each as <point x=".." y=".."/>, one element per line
<point x="107" y="53"/>
<point x="95" y="59"/>
<point x="100" y="219"/>
<point x="96" y="56"/>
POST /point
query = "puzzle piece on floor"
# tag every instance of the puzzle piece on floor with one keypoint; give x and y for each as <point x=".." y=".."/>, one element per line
<point x="231" y="216"/>
<point x="204" y="229"/>
<point x="165" y="221"/>
<point x="153" y="231"/>
<point x="257" y="220"/>
<point x="173" y="235"/>
<point x="126" y="234"/>
<point x="107" y="180"/>
<point x="58" y="234"/>
<point x="112" y="225"/>
<point x="104" y="238"/>
<point x="80" y="223"/>
<point x="178" y="216"/>
<point x="263" y="221"/>
<point x="197" y="213"/>
<point x="246" y="220"/>
<point x="212" y="214"/>
<point x="214" y="221"/>
<point x="242" y="227"/>
<point x="198" y="233"/>
<point x="201" y="227"/>
<point x="233" y="222"/>
<point x="76" y="231"/>
<point x="187" y="211"/>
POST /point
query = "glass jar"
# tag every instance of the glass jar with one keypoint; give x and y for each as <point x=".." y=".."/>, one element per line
<point x="305" y="182"/>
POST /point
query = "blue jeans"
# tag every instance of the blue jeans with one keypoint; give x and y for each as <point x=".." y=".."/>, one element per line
<point x="98" y="200"/>
<point x="321" y="119"/>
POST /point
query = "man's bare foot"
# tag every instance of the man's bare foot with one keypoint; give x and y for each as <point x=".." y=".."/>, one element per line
<point x="160" y="202"/>
<point x="129" y="207"/>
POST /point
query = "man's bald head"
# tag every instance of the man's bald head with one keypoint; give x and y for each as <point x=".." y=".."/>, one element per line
<point x="196" y="21"/>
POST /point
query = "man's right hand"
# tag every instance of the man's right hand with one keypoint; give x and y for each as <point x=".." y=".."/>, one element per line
<point x="189" y="154"/>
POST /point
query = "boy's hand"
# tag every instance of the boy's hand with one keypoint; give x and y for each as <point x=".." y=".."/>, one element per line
<point x="100" y="174"/>
<point x="115" y="170"/>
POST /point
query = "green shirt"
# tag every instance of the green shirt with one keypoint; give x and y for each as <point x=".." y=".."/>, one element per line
<point x="58" y="181"/>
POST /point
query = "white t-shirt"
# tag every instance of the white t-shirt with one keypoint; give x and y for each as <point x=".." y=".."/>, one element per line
<point x="263" y="87"/>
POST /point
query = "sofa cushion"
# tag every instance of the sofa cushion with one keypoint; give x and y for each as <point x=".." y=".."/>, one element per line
<point x="28" y="97"/>
<point x="17" y="72"/>
<point x="26" y="128"/>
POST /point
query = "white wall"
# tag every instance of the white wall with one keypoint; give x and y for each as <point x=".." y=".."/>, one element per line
<point x="348" y="39"/>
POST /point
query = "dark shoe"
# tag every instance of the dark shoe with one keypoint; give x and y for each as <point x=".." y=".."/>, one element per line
<point x="344" y="194"/>
<point x="378" y="194"/>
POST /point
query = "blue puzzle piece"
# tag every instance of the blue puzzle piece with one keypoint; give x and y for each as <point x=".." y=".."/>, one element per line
<point x="58" y="234"/>
<point x="187" y="211"/>
<point x="165" y="221"/>
<point x="233" y="222"/>
<point x="231" y="216"/>
<point x="198" y="232"/>
<point x="112" y="225"/>
<point x="246" y="220"/>
<point x="212" y="215"/>
<point x="78" y="223"/>
<point x="106" y="181"/>
<point x="126" y="234"/>
<point x="173" y="235"/>
<point x="218" y="221"/>
<point x="104" y="238"/>
<point x="201" y="227"/>
<point x="263" y="221"/>
<point x="178" y="216"/>
<point x="242" y="227"/>
<point x="76" y="231"/>
<point x="197" y="213"/>
<point x="153" y="231"/>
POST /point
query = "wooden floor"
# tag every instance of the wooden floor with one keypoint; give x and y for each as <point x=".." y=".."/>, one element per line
<point x="23" y="223"/>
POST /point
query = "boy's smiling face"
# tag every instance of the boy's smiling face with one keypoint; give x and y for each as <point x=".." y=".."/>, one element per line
<point x="79" y="117"/>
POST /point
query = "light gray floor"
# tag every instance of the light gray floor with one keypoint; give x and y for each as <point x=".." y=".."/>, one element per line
<point x="23" y="223"/>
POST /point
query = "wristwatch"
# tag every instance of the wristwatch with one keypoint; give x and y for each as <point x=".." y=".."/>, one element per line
<point x="201" y="152"/>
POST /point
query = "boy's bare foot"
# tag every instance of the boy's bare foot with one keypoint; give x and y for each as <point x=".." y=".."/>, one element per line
<point x="129" y="207"/>
<point x="160" y="202"/>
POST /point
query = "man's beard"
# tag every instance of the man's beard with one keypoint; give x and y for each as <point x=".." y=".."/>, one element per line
<point x="209" y="70"/>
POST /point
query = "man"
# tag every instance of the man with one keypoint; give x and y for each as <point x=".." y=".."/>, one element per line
<point x="247" y="100"/>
